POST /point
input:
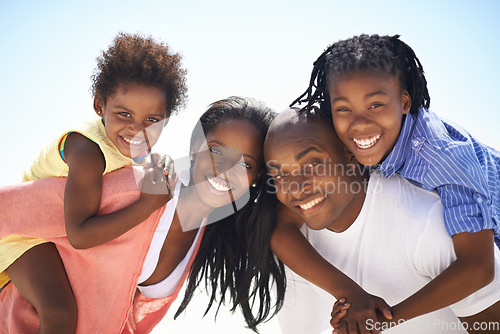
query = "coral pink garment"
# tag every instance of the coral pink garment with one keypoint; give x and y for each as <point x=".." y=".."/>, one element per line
<point x="103" y="278"/>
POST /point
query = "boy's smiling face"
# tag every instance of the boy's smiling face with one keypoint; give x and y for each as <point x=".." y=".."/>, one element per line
<point x="367" y="110"/>
<point x="312" y="171"/>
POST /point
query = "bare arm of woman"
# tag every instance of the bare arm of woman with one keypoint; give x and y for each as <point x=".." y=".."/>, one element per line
<point x="82" y="198"/>
<point x="291" y="247"/>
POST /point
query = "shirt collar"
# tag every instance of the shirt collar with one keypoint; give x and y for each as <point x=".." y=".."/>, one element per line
<point x="396" y="159"/>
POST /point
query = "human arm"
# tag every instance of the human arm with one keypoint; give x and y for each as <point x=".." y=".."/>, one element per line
<point x="82" y="198"/>
<point x="293" y="249"/>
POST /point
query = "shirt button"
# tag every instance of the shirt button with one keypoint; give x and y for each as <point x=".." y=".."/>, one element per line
<point x="478" y="198"/>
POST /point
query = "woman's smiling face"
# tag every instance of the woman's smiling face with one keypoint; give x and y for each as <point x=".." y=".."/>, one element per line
<point x="228" y="162"/>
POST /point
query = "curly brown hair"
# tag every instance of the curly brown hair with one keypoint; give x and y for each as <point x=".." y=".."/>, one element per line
<point x="142" y="60"/>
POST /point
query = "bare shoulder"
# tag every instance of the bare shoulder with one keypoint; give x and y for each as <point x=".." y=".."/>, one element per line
<point x="82" y="153"/>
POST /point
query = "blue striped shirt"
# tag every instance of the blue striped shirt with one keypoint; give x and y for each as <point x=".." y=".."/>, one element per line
<point x="443" y="157"/>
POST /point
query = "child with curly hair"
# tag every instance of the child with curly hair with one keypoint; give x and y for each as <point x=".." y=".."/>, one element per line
<point x="137" y="85"/>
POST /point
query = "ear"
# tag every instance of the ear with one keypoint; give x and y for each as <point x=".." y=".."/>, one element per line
<point x="99" y="105"/>
<point x="406" y="101"/>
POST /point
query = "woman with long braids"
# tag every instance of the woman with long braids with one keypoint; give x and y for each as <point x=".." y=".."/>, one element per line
<point x="127" y="284"/>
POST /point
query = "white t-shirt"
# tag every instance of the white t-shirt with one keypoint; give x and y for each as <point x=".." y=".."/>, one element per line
<point x="397" y="244"/>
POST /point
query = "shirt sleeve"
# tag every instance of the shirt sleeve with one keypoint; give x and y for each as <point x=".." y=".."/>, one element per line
<point x="465" y="210"/>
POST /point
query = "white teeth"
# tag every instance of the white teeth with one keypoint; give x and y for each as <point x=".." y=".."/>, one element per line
<point x="312" y="203"/>
<point x="366" y="142"/>
<point x="133" y="142"/>
<point x="217" y="185"/>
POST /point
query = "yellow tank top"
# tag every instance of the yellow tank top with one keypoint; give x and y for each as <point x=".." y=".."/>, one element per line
<point x="49" y="162"/>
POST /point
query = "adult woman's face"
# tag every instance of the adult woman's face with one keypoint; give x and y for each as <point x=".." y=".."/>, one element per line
<point x="228" y="162"/>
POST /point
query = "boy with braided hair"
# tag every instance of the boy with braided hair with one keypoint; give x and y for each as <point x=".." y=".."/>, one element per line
<point x="374" y="90"/>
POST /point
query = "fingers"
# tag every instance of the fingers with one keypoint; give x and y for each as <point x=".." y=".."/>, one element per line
<point x="162" y="165"/>
<point x="384" y="308"/>
<point x="352" y="327"/>
<point x="355" y="324"/>
<point x="169" y="171"/>
<point x="339" y="311"/>
<point x="340" y="328"/>
<point x="154" y="182"/>
<point x="159" y="174"/>
<point x="160" y="160"/>
<point x="168" y="167"/>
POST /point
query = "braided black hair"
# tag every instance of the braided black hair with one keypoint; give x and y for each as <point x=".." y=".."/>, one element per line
<point x="366" y="52"/>
<point x="226" y="261"/>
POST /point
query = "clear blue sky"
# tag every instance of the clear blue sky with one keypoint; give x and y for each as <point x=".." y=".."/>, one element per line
<point x="263" y="49"/>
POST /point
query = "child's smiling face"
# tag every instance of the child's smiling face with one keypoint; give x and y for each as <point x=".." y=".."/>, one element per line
<point x="367" y="110"/>
<point x="129" y="111"/>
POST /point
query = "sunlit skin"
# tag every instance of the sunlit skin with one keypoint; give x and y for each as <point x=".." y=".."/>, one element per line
<point x="461" y="278"/>
<point x="228" y="163"/>
<point x="367" y="110"/>
<point x="237" y="171"/>
<point x="129" y="111"/>
<point x="313" y="173"/>
<point x="125" y="114"/>
<point x="329" y="193"/>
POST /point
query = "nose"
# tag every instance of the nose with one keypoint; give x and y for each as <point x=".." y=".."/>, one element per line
<point x="135" y="127"/>
<point x="360" y="122"/>
<point x="233" y="174"/>
<point x="299" y="186"/>
<point x="223" y="166"/>
<point x="233" y="169"/>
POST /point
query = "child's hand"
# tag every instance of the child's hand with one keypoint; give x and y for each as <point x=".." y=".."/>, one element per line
<point x="339" y="311"/>
<point x="162" y="164"/>
<point x="363" y="310"/>
<point x="159" y="179"/>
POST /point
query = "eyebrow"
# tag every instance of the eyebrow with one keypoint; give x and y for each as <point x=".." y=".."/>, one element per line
<point x="251" y="157"/>
<point x="378" y="92"/>
<point x="122" y="107"/>
<point x="275" y="166"/>
<point x="306" y="151"/>
<point x="132" y="112"/>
